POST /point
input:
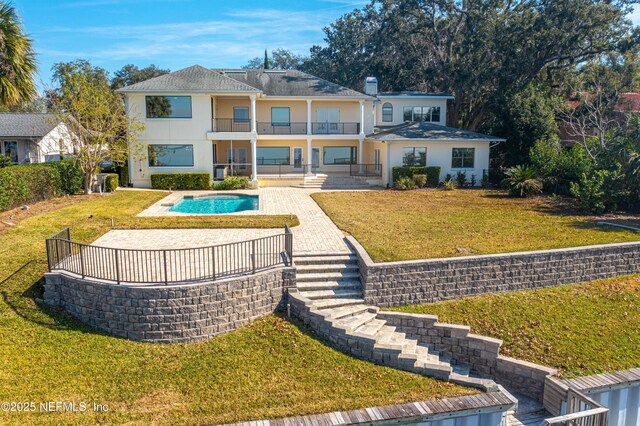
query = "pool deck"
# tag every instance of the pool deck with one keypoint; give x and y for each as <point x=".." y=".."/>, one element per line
<point x="315" y="234"/>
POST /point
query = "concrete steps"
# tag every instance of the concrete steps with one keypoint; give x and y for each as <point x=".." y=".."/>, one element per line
<point x="330" y="288"/>
<point x="334" y="182"/>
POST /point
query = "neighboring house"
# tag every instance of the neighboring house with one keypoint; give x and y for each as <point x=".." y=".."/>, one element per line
<point x="33" y="137"/>
<point x="281" y="126"/>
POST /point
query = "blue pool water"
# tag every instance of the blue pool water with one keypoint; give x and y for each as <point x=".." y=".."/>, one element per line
<point x="216" y="204"/>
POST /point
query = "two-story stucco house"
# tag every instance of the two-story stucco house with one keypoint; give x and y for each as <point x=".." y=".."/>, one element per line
<point x="288" y="127"/>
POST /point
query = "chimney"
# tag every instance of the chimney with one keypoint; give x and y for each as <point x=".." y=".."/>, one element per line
<point x="371" y="86"/>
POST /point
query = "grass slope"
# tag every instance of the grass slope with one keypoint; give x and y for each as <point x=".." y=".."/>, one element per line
<point x="580" y="329"/>
<point x="267" y="369"/>
<point x="434" y="223"/>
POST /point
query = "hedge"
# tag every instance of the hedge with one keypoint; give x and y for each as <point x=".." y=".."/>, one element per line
<point x="71" y="177"/>
<point x="181" y="181"/>
<point x="111" y="182"/>
<point x="28" y="183"/>
<point x="433" y="174"/>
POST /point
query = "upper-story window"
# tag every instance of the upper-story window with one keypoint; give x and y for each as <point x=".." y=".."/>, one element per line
<point x="428" y="114"/>
<point x="240" y="114"/>
<point x="387" y="112"/>
<point x="168" y="106"/>
<point x="280" y="116"/>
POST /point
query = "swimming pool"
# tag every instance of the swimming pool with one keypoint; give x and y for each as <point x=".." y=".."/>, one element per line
<point x="216" y="204"/>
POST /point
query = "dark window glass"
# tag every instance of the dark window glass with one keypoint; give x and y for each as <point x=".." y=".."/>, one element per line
<point x="414" y="156"/>
<point x="407" y="114"/>
<point x="435" y="114"/>
<point x="168" y="106"/>
<point x="273" y="155"/>
<point x="11" y="150"/>
<point x="463" y="158"/>
<point x="280" y="116"/>
<point x="240" y="114"/>
<point x="387" y="112"/>
<point x="339" y="155"/>
<point x="170" y="155"/>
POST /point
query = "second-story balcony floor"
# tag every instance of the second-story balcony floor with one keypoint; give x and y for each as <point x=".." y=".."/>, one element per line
<point x="223" y="125"/>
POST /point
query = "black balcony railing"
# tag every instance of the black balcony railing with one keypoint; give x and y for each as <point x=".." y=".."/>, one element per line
<point x="282" y="128"/>
<point x="367" y="170"/>
<point x="231" y="125"/>
<point x="292" y="128"/>
<point x="335" y="128"/>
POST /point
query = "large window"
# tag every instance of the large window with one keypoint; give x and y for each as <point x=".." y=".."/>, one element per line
<point x="170" y="155"/>
<point x="414" y="156"/>
<point x="273" y="155"/>
<point x="428" y="114"/>
<point x="240" y="114"/>
<point x="339" y="155"/>
<point x="168" y="106"/>
<point x="280" y="116"/>
<point x="11" y="150"/>
<point x="463" y="158"/>
<point x="387" y="112"/>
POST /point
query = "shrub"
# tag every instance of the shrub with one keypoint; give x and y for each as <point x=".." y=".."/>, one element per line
<point x="521" y="181"/>
<point x="449" y="185"/>
<point x="473" y="181"/>
<point x="433" y="174"/>
<point x="110" y="182"/>
<point x="5" y="161"/>
<point x="485" y="180"/>
<point x="181" y="181"/>
<point x="420" y="180"/>
<point x="599" y="192"/>
<point x="124" y="176"/>
<point x="71" y="177"/>
<point x="232" y="182"/>
<point x="461" y="179"/>
<point x="405" y="183"/>
<point x="28" y="183"/>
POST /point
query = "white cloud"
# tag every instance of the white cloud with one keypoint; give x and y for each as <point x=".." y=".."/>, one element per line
<point x="635" y="16"/>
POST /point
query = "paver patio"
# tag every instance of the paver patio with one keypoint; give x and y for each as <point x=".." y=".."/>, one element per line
<point x="315" y="234"/>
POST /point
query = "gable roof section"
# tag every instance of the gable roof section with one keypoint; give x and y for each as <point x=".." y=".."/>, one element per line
<point x="27" y="125"/>
<point x="277" y="83"/>
<point x="194" y="79"/>
<point x="430" y="132"/>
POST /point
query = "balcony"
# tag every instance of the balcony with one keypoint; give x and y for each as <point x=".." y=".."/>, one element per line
<point x="291" y="128"/>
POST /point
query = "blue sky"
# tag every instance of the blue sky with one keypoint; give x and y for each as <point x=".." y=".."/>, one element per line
<point x="175" y="33"/>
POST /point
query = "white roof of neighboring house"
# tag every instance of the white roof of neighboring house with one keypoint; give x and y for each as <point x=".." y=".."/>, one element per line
<point x="27" y="125"/>
<point x="414" y="95"/>
<point x="429" y="132"/>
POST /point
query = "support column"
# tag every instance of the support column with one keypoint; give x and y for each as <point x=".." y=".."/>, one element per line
<point x="362" y="135"/>
<point x="309" y="128"/>
<point x="253" y="114"/>
<point x="254" y="159"/>
<point x="309" y="156"/>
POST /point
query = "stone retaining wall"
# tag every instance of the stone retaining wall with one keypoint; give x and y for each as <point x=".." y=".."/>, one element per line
<point x="425" y="281"/>
<point x="480" y="353"/>
<point x="170" y="313"/>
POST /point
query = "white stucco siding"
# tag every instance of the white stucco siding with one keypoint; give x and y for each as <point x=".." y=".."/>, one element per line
<point x="439" y="153"/>
<point x="174" y="131"/>
<point x="400" y="103"/>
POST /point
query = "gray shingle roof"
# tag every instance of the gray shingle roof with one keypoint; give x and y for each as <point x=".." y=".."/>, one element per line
<point x="289" y="83"/>
<point x="27" y="125"/>
<point x="193" y="79"/>
<point x="431" y="132"/>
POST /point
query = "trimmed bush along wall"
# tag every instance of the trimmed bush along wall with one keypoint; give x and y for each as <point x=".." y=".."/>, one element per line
<point x="36" y="182"/>
<point x="111" y="182"/>
<point x="433" y="174"/>
<point x="181" y="181"/>
<point x="170" y="313"/>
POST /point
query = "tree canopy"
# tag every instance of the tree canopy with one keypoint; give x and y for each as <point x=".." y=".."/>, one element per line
<point x="131" y="74"/>
<point x="280" y="59"/>
<point x="17" y="59"/>
<point x="477" y="50"/>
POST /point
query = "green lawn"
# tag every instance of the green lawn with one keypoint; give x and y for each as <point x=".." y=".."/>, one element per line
<point x="269" y="368"/>
<point x="579" y="329"/>
<point x="395" y="225"/>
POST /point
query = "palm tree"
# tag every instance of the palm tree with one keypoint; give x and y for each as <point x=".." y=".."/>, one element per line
<point x="17" y="59"/>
